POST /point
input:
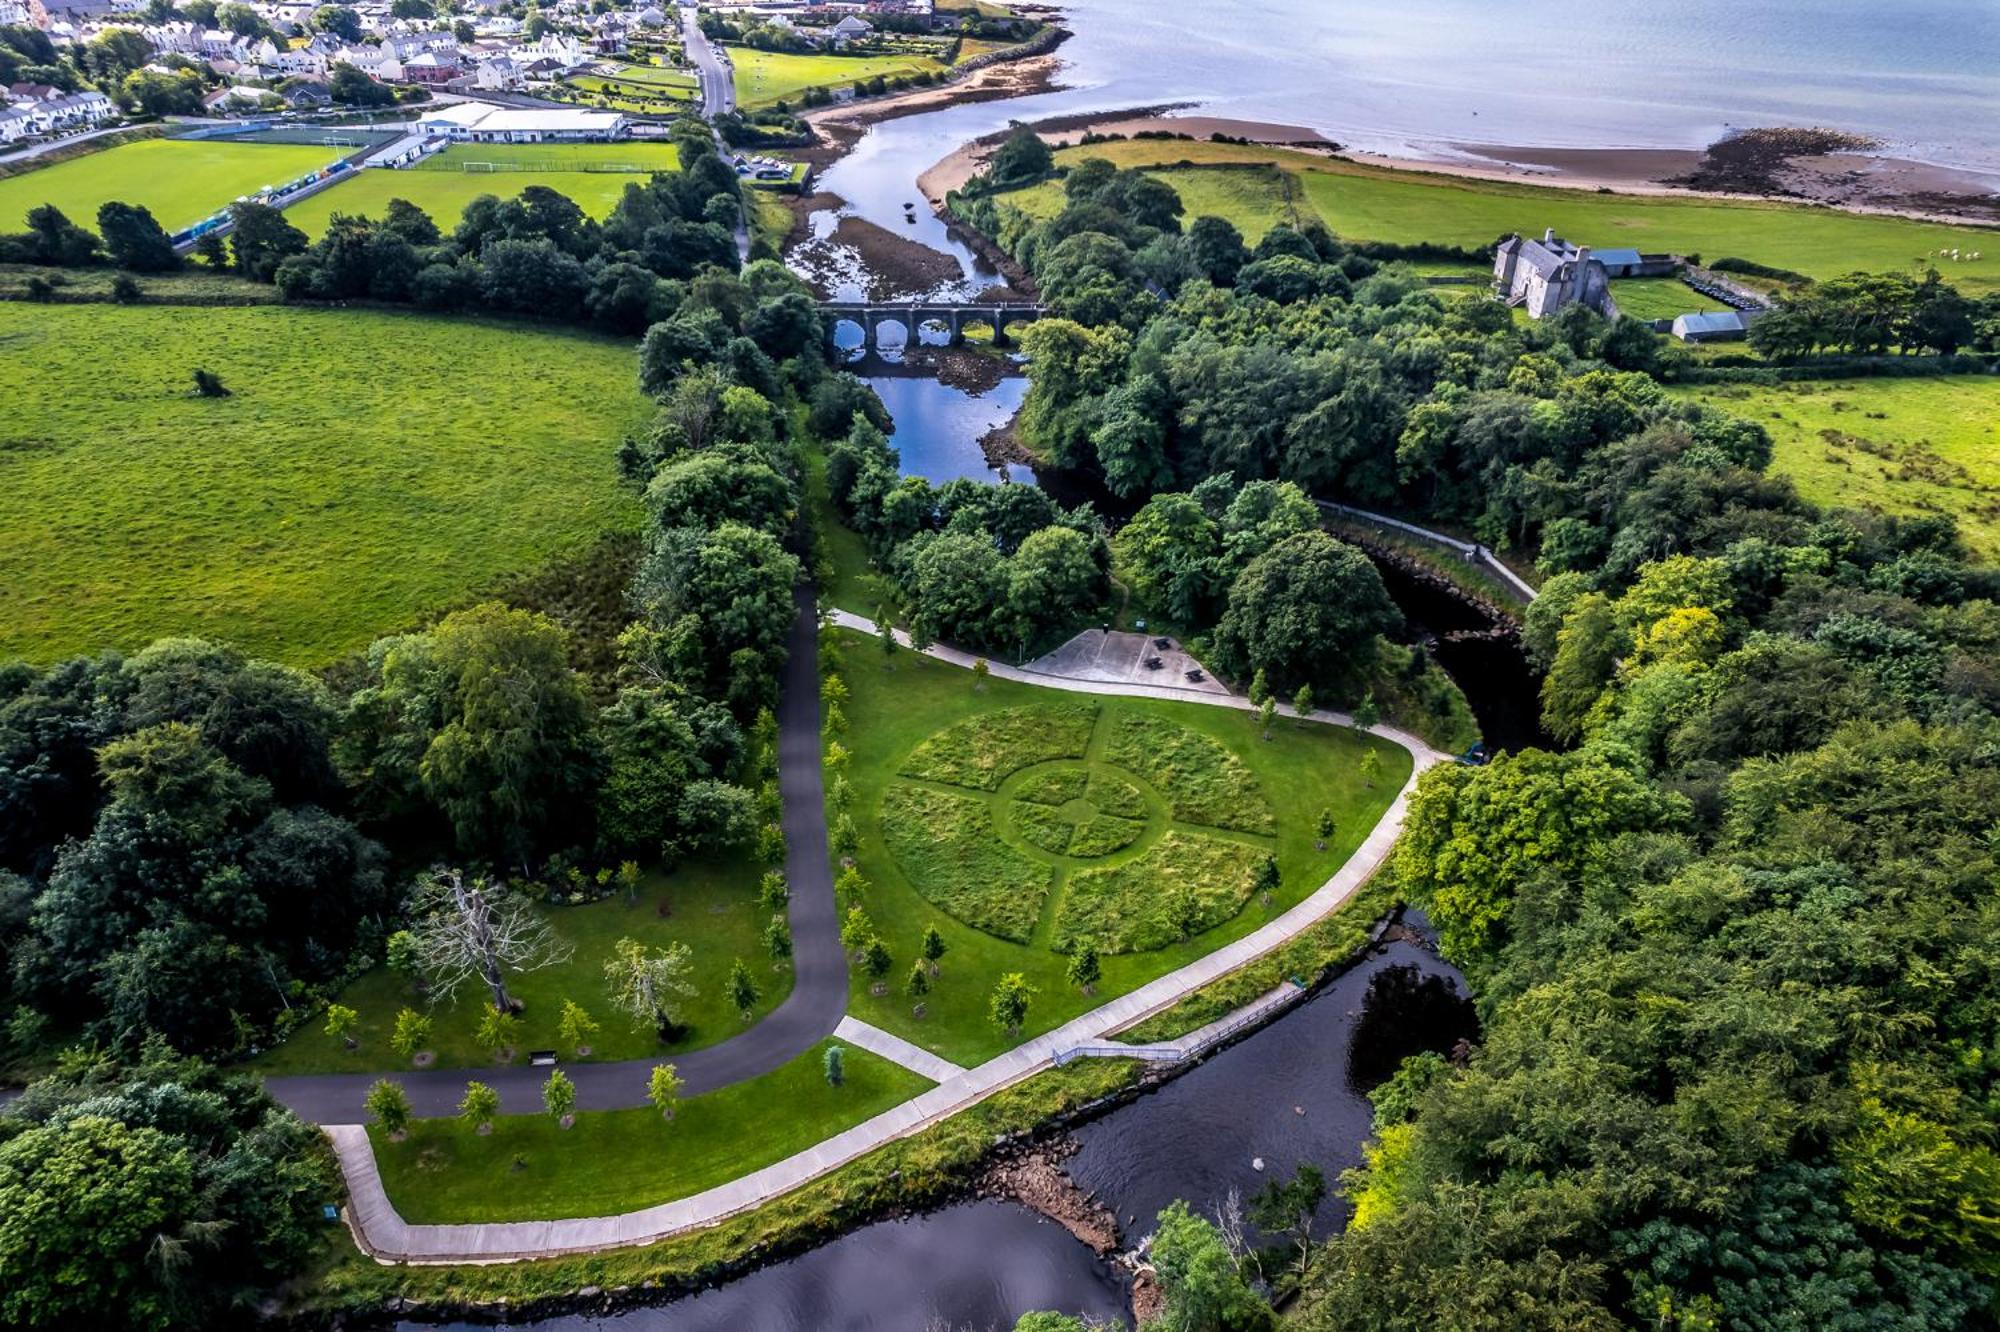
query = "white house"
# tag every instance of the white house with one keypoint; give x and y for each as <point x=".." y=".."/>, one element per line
<point x="849" y="29"/>
<point x="565" y="50"/>
<point x="15" y="123"/>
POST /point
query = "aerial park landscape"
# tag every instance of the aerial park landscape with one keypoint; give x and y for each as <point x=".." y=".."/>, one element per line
<point x="913" y="665"/>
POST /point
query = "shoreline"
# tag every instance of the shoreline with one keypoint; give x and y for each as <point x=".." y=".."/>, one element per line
<point x="1862" y="182"/>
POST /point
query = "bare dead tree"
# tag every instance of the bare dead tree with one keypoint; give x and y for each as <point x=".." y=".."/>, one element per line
<point x="471" y="929"/>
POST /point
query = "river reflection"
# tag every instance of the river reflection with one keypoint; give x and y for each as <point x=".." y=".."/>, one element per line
<point x="974" y="1265"/>
<point x="938" y="427"/>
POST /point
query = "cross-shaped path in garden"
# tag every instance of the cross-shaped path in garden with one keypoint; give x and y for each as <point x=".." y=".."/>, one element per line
<point x="816" y="1009"/>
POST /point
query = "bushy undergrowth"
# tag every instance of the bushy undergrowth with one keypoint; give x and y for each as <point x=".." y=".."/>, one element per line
<point x="1202" y="780"/>
<point x="953" y="855"/>
<point x="983" y="751"/>
<point x="1181" y="885"/>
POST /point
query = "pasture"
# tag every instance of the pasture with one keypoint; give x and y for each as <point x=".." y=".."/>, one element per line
<point x="1929" y="445"/>
<point x="180" y="180"/>
<point x="369" y="468"/>
<point x="1375" y="203"/>
<point x="1659" y="298"/>
<point x="764" y="77"/>
<point x="1021" y="821"/>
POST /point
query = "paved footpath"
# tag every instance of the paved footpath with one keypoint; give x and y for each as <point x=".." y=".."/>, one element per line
<point x="384" y="1234"/>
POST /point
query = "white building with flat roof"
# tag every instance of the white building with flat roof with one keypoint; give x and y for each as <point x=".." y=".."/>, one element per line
<point x="483" y="122"/>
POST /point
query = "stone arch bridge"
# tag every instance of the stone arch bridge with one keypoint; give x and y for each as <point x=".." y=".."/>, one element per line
<point x="955" y="316"/>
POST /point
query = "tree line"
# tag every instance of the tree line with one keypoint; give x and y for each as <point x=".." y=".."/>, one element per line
<point x="1732" y="941"/>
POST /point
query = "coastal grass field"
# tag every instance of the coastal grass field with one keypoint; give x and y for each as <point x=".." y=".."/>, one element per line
<point x="710" y="906"/>
<point x="368" y="469"/>
<point x="443" y="188"/>
<point x="764" y="77"/>
<point x="180" y="180"/>
<point x="640" y="89"/>
<point x="1924" y="445"/>
<point x="530" y="1168"/>
<point x="1196" y="756"/>
<point x="1363" y="202"/>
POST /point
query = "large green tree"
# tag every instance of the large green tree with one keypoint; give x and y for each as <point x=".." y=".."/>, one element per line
<point x="1306" y="611"/>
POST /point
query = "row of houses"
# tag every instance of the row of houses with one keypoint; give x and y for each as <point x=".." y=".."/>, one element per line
<point x="33" y="110"/>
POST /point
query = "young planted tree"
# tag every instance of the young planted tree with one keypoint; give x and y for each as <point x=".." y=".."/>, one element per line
<point x="856" y="930"/>
<point x="663" y="1089"/>
<point x="559" y="1096"/>
<point x="772" y="892"/>
<point x="1371" y="768"/>
<point x="778" y="938"/>
<point x="479" y="1106"/>
<point x="834" y="721"/>
<point x="467" y="929"/>
<point x="1267" y="712"/>
<point x="1302" y="702"/>
<point x="628" y="881"/>
<point x="399" y="950"/>
<point x="844" y="837"/>
<point x="918" y="983"/>
<point x="1325" y="828"/>
<point x="932" y="948"/>
<point x="390" y="1105"/>
<point x="833" y="689"/>
<point x="1367" y="715"/>
<point x="850" y="888"/>
<point x="1084" y="971"/>
<point x="413" y="1031"/>
<point x="980" y="672"/>
<point x="650" y="984"/>
<point x="771" y="844"/>
<point x="742" y="990"/>
<point x="839" y="795"/>
<point x="1260" y="688"/>
<point x="340" y="1020"/>
<point x="834" y="1063"/>
<point x="888" y="633"/>
<point x="1267" y="877"/>
<point x="497" y="1034"/>
<point x="875" y="959"/>
<point x="577" y="1027"/>
<point x="1008" y="1007"/>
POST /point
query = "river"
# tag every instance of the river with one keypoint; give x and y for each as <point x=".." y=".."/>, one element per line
<point x="1291" y="1093"/>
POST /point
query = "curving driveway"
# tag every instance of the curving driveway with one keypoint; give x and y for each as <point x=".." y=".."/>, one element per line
<point x="819" y="986"/>
<point x="385" y="1235"/>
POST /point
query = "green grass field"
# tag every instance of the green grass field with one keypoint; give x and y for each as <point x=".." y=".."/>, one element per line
<point x="529" y="1168"/>
<point x="1659" y="298"/>
<point x="1927" y="445"/>
<point x="181" y="180"/>
<point x="764" y="77"/>
<point x="559" y="158"/>
<point x="370" y="468"/>
<point x="900" y="702"/>
<point x="443" y="187"/>
<point x="712" y="908"/>
<point x="1375" y="203"/>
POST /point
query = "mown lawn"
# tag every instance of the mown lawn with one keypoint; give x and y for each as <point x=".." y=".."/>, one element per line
<point x="1375" y="203"/>
<point x="446" y="188"/>
<point x="712" y="908"/>
<point x="633" y="156"/>
<point x="369" y="468"/>
<point x="1659" y="298"/>
<point x="901" y="701"/>
<point x="764" y="77"/>
<point x="180" y="180"/>
<point x="1929" y="445"/>
<point x="529" y="1168"/>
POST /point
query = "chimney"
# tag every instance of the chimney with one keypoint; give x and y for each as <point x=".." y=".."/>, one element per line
<point x="1582" y="255"/>
<point x="1548" y="235"/>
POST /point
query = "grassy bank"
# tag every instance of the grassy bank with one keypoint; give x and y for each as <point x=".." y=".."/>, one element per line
<point x="530" y="1168"/>
<point x="917" y="1171"/>
<point x="592" y="175"/>
<point x="180" y="180"/>
<point x="765" y="77"/>
<point x="1929" y="445"/>
<point x="712" y="908"/>
<point x="369" y="468"/>
<point x="901" y="702"/>
<point x="1376" y="203"/>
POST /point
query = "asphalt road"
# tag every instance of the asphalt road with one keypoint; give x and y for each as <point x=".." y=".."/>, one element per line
<point x="819" y="988"/>
<point x="718" y="81"/>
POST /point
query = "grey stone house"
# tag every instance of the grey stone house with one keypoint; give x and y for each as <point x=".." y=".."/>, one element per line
<point x="1545" y="275"/>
